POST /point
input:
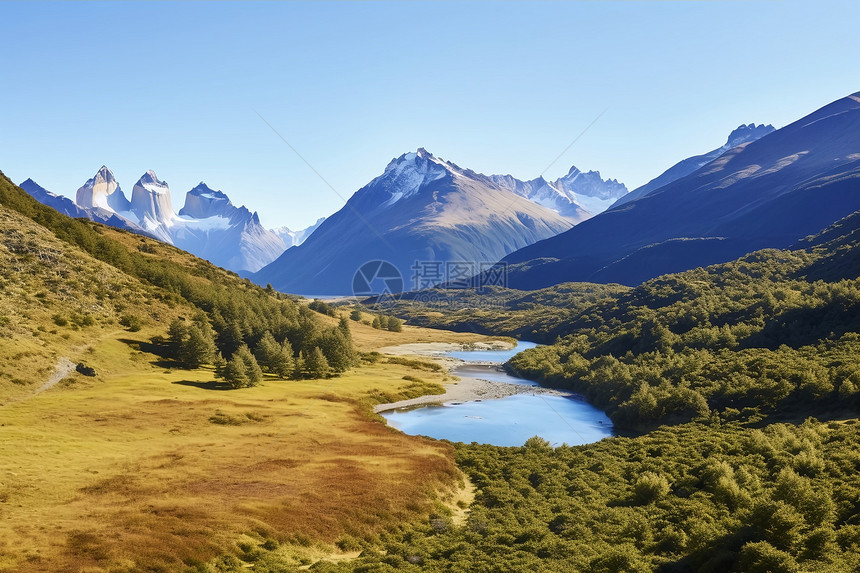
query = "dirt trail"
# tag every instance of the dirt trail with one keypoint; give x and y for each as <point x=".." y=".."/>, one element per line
<point x="63" y="368"/>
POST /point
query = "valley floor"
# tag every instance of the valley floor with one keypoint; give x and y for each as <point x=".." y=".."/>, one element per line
<point x="149" y="467"/>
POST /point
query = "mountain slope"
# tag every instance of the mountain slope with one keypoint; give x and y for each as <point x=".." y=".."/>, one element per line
<point x="767" y="193"/>
<point x="420" y="209"/>
<point x="743" y="134"/>
<point x="62" y="204"/>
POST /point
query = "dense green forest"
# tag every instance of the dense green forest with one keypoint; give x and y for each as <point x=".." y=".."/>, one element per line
<point x="693" y="497"/>
<point x="774" y="333"/>
<point x="228" y="317"/>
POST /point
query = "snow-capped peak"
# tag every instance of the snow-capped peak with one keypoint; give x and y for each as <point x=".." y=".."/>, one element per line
<point x="151" y="183"/>
<point x="203" y="201"/>
<point x="203" y="190"/>
<point x="293" y="238"/>
<point x="150" y="202"/>
<point x="407" y="174"/>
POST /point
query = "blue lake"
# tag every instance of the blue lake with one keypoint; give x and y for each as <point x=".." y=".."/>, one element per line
<point x="507" y="421"/>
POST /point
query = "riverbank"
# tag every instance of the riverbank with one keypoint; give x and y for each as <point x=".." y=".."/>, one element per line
<point x="472" y="383"/>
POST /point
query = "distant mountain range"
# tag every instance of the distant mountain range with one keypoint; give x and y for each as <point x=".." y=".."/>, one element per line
<point x="208" y="225"/>
<point x="426" y="209"/>
<point x="769" y="191"/>
<point x="762" y="188"/>
<point x="577" y="196"/>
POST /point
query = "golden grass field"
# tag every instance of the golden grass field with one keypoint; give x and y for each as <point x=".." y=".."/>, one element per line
<point x="150" y="468"/>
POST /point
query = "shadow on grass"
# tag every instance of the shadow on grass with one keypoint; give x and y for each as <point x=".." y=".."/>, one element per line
<point x="158" y="348"/>
<point x="212" y="385"/>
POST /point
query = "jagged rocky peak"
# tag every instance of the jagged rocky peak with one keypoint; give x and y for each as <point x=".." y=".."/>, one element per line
<point x="150" y="199"/>
<point x="202" y="202"/>
<point x="152" y="183"/>
<point x="591" y="184"/>
<point x="746" y="133"/>
<point x="102" y="191"/>
<point x="406" y="175"/>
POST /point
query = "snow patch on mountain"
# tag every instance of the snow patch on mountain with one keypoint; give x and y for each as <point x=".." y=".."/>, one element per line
<point x="294" y="238"/>
<point x="406" y="175"/>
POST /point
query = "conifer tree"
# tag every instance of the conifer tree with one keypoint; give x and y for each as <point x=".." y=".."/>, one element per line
<point x="236" y="373"/>
<point x="299" y="367"/>
<point x="252" y="369"/>
<point x="267" y="352"/>
<point x="284" y="364"/>
<point x="316" y="364"/>
<point x="197" y="348"/>
<point x="176" y="333"/>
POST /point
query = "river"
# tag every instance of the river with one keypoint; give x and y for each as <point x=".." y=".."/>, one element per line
<point x="558" y="417"/>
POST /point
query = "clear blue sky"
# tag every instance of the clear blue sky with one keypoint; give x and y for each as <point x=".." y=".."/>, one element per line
<point x="497" y="87"/>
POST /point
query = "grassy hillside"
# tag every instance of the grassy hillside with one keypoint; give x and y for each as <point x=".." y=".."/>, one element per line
<point x="57" y="301"/>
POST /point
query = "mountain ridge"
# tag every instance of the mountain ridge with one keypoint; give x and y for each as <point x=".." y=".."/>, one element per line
<point x="739" y="136"/>
<point x="765" y="193"/>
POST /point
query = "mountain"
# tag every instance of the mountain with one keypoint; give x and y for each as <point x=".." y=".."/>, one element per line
<point x="62" y="204"/>
<point x="766" y="193"/>
<point x="743" y="134"/>
<point x="102" y="191"/>
<point x="151" y="203"/>
<point x="208" y="226"/>
<point x="577" y="196"/>
<point x="421" y="208"/>
<point x="294" y="238"/>
<point x="590" y="190"/>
